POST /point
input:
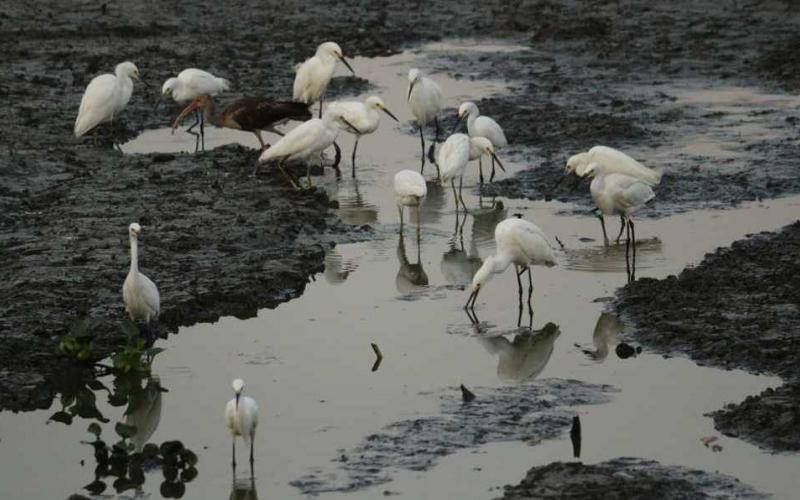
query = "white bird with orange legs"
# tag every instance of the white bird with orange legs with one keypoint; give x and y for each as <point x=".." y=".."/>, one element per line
<point x="241" y="418"/>
<point x="519" y="242"/>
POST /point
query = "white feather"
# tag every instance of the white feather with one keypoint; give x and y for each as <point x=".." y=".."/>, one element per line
<point x="425" y="99"/>
<point x="410" y="188"/>
<point x="193" y="82"/>
<point x="105" y="97"/>
<point x="139" y="293"/>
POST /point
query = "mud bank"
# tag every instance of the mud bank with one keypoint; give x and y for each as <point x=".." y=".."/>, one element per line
<point x="626" y="478"/>
<point x="530" y="413"/>
<point x="744" y="306"/>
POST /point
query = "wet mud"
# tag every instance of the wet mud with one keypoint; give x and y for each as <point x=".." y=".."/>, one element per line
<point x="744" y="306"/>
<point x="529" y="413"/>
<point x="626" y="478"/>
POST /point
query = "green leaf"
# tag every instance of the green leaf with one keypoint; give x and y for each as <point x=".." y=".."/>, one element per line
<point x="61" y="416"/>
<point x="94" y="428"/>
<point x="153" y="351"/>
<point x="124" y="430"/>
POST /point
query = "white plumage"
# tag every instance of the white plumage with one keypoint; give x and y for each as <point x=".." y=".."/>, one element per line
<point x="482" y="126"/>
<point x="614" y="162"/>
<point x="314" y="75"/>
<point x="424" y="97"/>
<point x="410" y="189"/>
<point x="241" y="418"/>
<point x="361" y="116"/>
<point x="105" y="97"/>
<point x="140" y="294"/>
<point x="193" y="82"/>
<point x="519" y="242"/>
<point x="454" y="156"/>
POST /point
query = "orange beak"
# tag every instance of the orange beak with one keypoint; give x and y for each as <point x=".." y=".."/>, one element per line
<point x="195" y="104"/>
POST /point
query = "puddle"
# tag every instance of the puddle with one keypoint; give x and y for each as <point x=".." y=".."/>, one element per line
<point x="308" y="363"/>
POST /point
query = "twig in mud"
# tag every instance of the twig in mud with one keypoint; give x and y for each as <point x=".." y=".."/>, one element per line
<point x="378" y="355"/>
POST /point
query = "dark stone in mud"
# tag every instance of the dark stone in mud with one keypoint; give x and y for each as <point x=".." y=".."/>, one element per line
<point x="530" y="412"/>
<point x="744" y="305"/>
<point x="626" y="478"/>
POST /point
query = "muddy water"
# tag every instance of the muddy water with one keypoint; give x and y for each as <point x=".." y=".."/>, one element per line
<point x="308" y="362"/>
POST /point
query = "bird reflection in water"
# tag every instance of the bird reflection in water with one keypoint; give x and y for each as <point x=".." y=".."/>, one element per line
<point x="458" y="266"/>
<point x="144" y="411"/>
<point x="606" y="334"/>
<point x="337" y="269"/>
<point x="431" y="211"/>
<point x="353" y="208"/>
<point x="524" y="357"/>
<point x="244" y="489"/>
<point x="411" y="276"/>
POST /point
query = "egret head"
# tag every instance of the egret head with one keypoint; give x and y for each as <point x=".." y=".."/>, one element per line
<point x="577" y="164"/>
<point x="480" y="278"/>
<point x="128" y="69"/>
<point x="485" y="147"/>
<point x="466" y="109"/>
<point x="593" y="170"/>
<point x="237" y="385"/>
<point x="134" y="229"/>
<point x="414" y="75"/>
<point x="332" y="50"/>
<point x="376" y="103"/>
<point x="169" y="87"/>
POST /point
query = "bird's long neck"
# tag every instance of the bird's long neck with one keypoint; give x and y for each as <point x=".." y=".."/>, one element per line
<point x="134" y="255"/>
<point x="210" y="112"/>
<point x="501" y="262"/>
<point x="471" y="117"/>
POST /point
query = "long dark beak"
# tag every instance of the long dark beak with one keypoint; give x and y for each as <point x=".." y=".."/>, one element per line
<point x="390" y="114"/>
<point x="498" y="162"/>
<point x="237" y="402"/>
<point x="410" y="88"/>
<point x="472" y="298"/>
<point x="458" y="123"/>
<point x="341" y="58"/>
<point x="352" y="127"/>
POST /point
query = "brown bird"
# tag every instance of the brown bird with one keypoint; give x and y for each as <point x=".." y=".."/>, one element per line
<point x="250" y="114"/>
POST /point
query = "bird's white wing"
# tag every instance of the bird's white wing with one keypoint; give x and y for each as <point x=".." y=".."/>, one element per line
<point x="298" y="139"/>
<point x="486" y="127"/>
<point x="230" y="415"/>
<point x="150" y="294"/>
<point x="629" y="192"/>
<point x="97" y="103"/>
<point x="248" y="411"/>
<point x="527" y="238"/>
<point x="308" y="82"/>
<point x="425" y="100"/>
<point x="617" y="162"/>
<point x="410" y="183"/>
<point x="454" y="154"/>
<point x="203" y="82"/>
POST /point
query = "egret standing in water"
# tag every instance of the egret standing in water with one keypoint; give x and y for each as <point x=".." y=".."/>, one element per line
<point x="482" y="126"/>
<point x="241" y="418"/>
<point x="454" y="155"/>
<point x="618" y="194"/>
<point x="313" y="136"/>
<point x="140" y="294"/>
<point x="519" y="242"/>
<point x="410" y="189"/>
<point x="425" y="101"/>
<point x="361" y="116"/>
<point x="314" y="75"/>
<point x="191" y="83"/>
<point x="105" y="97"/>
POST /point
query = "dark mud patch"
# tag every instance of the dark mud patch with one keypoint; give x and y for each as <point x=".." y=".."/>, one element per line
<point x="530" y="413"/>
<point x="216" y="241"/>
<point x="744" y="305"/>
<point x="626" y="478"/>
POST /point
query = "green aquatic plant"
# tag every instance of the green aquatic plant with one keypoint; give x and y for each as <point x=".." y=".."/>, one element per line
<point x="77" y="342"/>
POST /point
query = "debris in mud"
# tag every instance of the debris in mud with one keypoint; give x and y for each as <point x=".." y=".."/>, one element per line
<point x="527" y="412"/>
<point x="626" y="478"/>
<point x="743" y="304"/>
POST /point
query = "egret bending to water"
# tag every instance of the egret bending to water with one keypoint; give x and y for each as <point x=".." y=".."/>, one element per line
<point x="248" y="114"/>
<point x="410" y="188"/>
<point x="105" y="97"/>
<point x="361" y="116"/>
<point x="313" y="136"/>
<point x="618" y="194"/>
<point x="614" y="162"/>
<point x="519" y="242"/>
<point x="241" y="418"/>
<point x="425" y="101"/>
<point x="481" y="126"/>
<point x="314" y="75"/>
<point x="191" y="83"/>
<point x="139" y="293"/>
<point x="454" y="155"/>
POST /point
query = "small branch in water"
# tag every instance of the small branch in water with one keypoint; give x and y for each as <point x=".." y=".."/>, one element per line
<point x="378" y="355"/>
<point x="467" y="395"/>
<point x="559" y="242"/>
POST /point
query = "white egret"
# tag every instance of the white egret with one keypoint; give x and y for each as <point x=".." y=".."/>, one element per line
<point x="361" y="116"/>
<point x="618" y="194"/>
<point x="191" y="83"/>
<point x="241" y="418"/>
<point x="425" y="100"/>
<point x="314" y="75"/>
<point x="310" y="137"/>
<point x="454" y="156"/>
<point x="105" y="97"/>
<point x="410" y="189"/>
<point x="482" y="126"/>
<point x="519" y="242"/>
<point x="140" y="294"/>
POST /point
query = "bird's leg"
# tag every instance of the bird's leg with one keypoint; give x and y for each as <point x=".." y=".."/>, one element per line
<point x="202" y="129"/>
<point x="491" y="177"/>
<point x="321" y="98"/>
<point x="460" y="195"/>
<point x="337" y="159"/>
<point x="436" y="123"/>
<point x="530" y="292"/>
<point x="621" y="228"/>
<point x="233" y="456"/>
<point x="400" y="209"/>
<point x="257" y="133"/>
<point x="633" y="239"/>
<point x="603" y="225"/>
<point x="288" y="177"/>
<point x="195" y="123"/>
<point x="518" y="271"/>
<point x="480" y="168"/>
<point x="308" y="176"/>
<point x="455" y="194"/>
<point x="252" y="443"/>
<point x="422" y="140"/>
<point x="355" y="147"/>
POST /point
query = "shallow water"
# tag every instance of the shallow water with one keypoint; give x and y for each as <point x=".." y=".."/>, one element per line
<point x="309" y="361"/>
